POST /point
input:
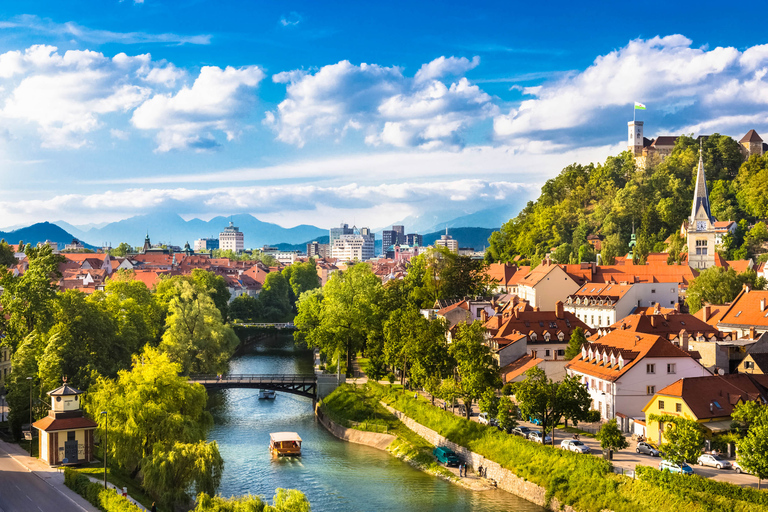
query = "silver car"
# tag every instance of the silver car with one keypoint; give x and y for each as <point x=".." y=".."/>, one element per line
<point x="715" y="461"/>
<point x="647" y="448"/>
<point x="539" y="437"/>
<point x="574" y="446"/>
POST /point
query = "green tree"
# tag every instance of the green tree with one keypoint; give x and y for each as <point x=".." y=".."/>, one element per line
<point x="507" y="414"/>
<point x="750" y="413"/>
<point x="302" y="277"/>
<point x="195" y="337"/>
<point x="587" y="253"/>
<point x="24" y="362"/>
<point x="183" y="469"/>
<point x="575" y="343"/>
<point x="275" y="297"/>
<point x="489" y="403"/>
<point x="683" y="438"/>
<point x="549" y="401"/>
<point x="216" y="287"/>
<point x="476" y="369"/>
<point x="717" y="285"/>
<point x="121" y="250"/>
<point x="148" y="406"/>
<point x="610" y="437"/>
<point x="7" y="257"/>
<point x="285" y="500"/>
<point x="753" y="452"/>
<point x="245" y="308"/>
<point x="562" y="254"/>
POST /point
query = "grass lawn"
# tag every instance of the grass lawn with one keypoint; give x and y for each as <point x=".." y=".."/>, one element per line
<point x="574" y="430"/>
<point x="119" y="478"/>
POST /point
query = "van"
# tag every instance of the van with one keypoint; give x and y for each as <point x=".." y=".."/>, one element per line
<point x="446" y="456"/>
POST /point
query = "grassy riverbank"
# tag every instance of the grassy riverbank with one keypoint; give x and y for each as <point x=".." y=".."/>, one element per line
<point x="584" y="482"/>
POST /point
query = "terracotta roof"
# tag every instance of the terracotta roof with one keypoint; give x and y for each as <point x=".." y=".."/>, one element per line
<point x="715" y="313"/>
<point x="654" y="272"/>
<point x="723" y="224"/>
<point x="665" y="140"/>
<point x="602" y="291"/>
<point x="519" y="367"/>
<point x="50" y="423"/>
<point x="745" y="310"/>
<point x="536" y="275"/>
<point x="506" y="274"/>
<point x="751" y="136"/>
<point x="667" y="325"/>
<point x="632" y="347"/>
<point x="740" y="265"/>
<point x="463" y="304"/>
<point x="523" y="319"/>
<point x="722" y="392"/>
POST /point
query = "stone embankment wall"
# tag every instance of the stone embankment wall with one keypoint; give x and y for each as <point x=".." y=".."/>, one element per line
<point x="380" y="441"/>
<point x="504" y="478"/>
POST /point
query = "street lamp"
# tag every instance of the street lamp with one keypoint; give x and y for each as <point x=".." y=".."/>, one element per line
<point x="30" y="415"/>
<point x="106" y="431"/>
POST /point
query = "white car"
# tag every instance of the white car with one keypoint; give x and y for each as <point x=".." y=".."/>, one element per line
<point x="483" y="418"/>
<point x="737" y="468"/>
<point x="574" y="446"/>
<point x="539" y="437"/>
<point x="715" y="461"/>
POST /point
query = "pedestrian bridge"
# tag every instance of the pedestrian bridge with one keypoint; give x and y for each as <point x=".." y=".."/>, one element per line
<point x="309" y="385"/>
<point x="275" y="325"/>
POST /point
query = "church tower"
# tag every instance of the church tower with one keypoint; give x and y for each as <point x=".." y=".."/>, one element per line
<point x="635" y="140"/>
<point x="701" y="224"/>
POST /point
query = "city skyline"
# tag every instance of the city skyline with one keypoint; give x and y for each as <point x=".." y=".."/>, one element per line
<point x="304" y="114"/>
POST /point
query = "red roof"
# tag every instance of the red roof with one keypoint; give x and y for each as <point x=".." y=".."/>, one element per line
<point x="668" y="325"/>
<point x="716" y="396"/>
<point x="519" y="367"/>
<point x="749" y="308"/>
<point x="49" y="423"/>
<point x="751" y="136"/>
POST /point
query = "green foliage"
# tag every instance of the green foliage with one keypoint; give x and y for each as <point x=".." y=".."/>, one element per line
<point x="753" y="451"/>
<point x="285" y="500"/>
<point x="717" y="285"/>
<point x="301" y="277"/>
<point x="215" y="286"/>
<point x="683" y="438"/>
<point x="7" y="257"/>
<point x="475" y="366"/>
<point x="245" y="308"/>
<point x="507" y="413"/>
<point x="275" y="298"/>
<point x="106" y="500"/>
<point x="489" y="403"/>
<point x="610" y="437"/>
<point x="575" y="343"/>
<point x="121" y="250"/>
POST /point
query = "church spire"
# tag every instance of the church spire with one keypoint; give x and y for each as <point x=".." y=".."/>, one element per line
<point x="700" y="195"/>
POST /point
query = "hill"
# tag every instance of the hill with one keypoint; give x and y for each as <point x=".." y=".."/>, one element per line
<point x="40" y="232"/>
<point x="615" y="199"/>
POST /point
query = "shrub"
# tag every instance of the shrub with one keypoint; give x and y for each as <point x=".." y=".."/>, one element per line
<point x="106" y="500"/>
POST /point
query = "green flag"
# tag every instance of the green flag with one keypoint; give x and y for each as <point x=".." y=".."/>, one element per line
<point x="639" y="106"/>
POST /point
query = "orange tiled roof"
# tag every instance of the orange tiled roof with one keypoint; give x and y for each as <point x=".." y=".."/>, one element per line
<point x="749" y="308"/>
<point x="722" y="392"/>
<point x="667" y="325"/>
<point x="49" y="423"/>
<point x="519" y="367"/>
<point x="525" y="320"/>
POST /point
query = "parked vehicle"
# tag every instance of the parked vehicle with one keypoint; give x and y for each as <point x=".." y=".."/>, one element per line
<point x="535" y="421"/>
<point x="539" y="437"/>
<point x="648" y="449"/>
<point x="446" y="456"/>
<point x="737" y="468"/>
<point x="574" y="445"/>
<point x="521" y="431"/>
<point x="483" y="418"/>
<point x="684" y="469"/>
<point x="714" y="461"/>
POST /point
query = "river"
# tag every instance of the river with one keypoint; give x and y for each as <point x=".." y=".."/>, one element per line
<point x="333" y="474"/>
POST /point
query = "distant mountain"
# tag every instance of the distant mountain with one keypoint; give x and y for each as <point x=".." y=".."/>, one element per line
<point x="171" y="229"/>
<point x="490" y="218"/>
<point x="467" y="237"/>
<point x="40" y="232"/>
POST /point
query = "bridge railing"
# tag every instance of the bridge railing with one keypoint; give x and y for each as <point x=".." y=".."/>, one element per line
<point x="255" y="378"/>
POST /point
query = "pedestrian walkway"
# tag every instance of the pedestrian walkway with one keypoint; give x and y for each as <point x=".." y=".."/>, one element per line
<point x="52" y="476"/>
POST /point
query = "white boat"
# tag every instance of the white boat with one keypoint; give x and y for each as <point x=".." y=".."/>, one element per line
<point x="268" y="394"/>
<point x="284" y="443"/>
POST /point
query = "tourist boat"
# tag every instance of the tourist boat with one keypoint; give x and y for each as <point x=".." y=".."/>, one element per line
<point x="268" y="394"/>
<point x="284" y="443"/>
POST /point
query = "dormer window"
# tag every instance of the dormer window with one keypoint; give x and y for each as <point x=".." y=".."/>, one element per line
<point x="613" y="360"/>
<point x="591" y="354"/>
<point x="605" y="358"/>
<point x="621" y="362"/>
<point x="584" y="354"/>
<point x="546" y="336"/>
<point x="560" y="336"/>
<point x="533" y="336"/>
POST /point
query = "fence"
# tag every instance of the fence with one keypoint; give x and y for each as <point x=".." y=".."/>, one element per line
<point x="629" y="473"/>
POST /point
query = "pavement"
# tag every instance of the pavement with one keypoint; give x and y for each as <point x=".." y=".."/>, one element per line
<point x="29" y="485"/>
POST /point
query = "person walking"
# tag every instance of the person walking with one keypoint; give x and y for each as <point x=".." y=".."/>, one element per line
<point x="480" y="471"/>
<point x="154" y="508"/>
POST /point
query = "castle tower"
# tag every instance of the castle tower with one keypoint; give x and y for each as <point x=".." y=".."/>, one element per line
<point x="701" y="224"/>
<point x="752" y="144"/>
<point x="635" y="140"/>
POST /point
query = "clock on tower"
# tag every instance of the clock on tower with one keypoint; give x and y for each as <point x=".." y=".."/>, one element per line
<point x="701" y="225"/>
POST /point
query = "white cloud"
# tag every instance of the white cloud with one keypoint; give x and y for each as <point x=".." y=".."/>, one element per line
<point x="188" y="118"/>
<point x="388" y="107"/>
<point x="290" y="20"/>
<point x="692" y="85"/>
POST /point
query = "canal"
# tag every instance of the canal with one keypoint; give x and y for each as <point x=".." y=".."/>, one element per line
<point x="334" y="475"/>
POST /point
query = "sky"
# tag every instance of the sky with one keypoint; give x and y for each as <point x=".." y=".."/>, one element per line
<point x="327" y="112"/>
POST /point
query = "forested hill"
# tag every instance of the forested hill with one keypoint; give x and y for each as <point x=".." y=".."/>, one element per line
<point x="606" y="199"/>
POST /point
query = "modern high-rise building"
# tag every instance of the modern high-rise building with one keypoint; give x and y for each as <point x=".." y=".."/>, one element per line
<point x="447" y="241"/>
<point x="231" y="239"/>
<point x="414" y="239"/>
<point x="318" y="250"/>
<point x="356" y="246"/>
<point x="335" y="233"/>
<point x="206" y="244"/>
<point x="388" y="239"/>
<point x="400" y="230"/>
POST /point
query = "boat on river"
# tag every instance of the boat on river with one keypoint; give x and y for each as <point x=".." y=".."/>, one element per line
<point x="268" y="394"/>
<point x="284" y="443"/>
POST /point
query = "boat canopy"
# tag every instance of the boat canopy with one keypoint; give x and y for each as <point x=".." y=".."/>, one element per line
<point x="282" y="437"/>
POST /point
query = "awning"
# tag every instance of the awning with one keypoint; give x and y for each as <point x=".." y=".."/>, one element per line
<point x="718" y="426"/>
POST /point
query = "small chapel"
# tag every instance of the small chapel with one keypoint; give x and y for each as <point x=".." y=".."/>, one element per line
<point x="66" y="435"/>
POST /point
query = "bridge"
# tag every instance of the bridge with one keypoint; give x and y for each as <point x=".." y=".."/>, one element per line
<point x="275" y="325"/>
<point x="298" y="384"/>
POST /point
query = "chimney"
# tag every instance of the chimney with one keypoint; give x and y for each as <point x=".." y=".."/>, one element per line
<point x="517" y="313"/>
<point x="746" y="287"/>
<point x="637" y="338"/>
<point x="559" y="310"/>
<point x="752" y="332"/>
<point x="707" y="312"/>
<point x="654" y="321"/>
<point x="762" y="304"/>
<point x="684" y="340"/>
<point x="677" y="307"/>
<point x="656" y="308"/>
<point x="536" y="308"/>
<point x="483" y="315"/>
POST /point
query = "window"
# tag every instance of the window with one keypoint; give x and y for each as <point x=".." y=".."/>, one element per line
<point x="661" y="405"/>
<point x="678" y="407"/>
<point x="561" y="352"/>
<point x="653" y="290"/>
<point x="749" y="365"/>
<point x="593" y="319"/>
<point x="650" y="368"/>
<point x="546" y="353"/>
<point x="650" y="390"/>
<point x="671" y="368"/>
<point x="701" y="247"/>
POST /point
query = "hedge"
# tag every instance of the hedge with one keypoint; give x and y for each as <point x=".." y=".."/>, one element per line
<point x="680" y="484"/>
<point x="106" y="500"/>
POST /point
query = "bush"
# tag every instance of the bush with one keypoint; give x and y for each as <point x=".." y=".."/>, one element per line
<point x="106" y="500"/>
<point x="682" y="485"/>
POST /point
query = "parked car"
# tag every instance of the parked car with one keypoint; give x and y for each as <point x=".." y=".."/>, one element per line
<point x="574" y="445"/>
<point x="539" y="437"/>
<point x="737" y="468"/>
<point x="446" y="456"/>
<point x="715" y="461"/>
<point x="483" y="418"/>
<point x="648" y="449"/>
<point x="666" y="465"/>
<point x="521" y="431"/>
<point x="535" y="421"/>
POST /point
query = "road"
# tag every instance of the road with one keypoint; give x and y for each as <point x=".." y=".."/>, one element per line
<point x="23" y="491"/>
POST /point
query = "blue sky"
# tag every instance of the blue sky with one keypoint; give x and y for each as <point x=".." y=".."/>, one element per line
<point x="321" y="112"/>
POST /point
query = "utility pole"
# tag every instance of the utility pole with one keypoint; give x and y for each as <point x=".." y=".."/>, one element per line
<point x="30" y="415"/>
<point x="106" y="432"/>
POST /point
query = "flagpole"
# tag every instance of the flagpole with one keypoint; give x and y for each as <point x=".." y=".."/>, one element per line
<point x="634" y="113"/>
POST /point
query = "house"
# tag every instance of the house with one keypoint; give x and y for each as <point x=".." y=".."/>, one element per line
<point x="708" y="400"/>
<point x="66" y="435"/>
<point x="749" y="310"/>
<point x="624" y="369"/>
<point x="506" y="276"/>
<point x="603" y="304"/>
<point x="756" y="358"/>
<point x="545" y="285"/>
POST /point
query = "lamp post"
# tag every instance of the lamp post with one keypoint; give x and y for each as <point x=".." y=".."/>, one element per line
<point x="30" y="415"/>
<point x="106" y="431"/>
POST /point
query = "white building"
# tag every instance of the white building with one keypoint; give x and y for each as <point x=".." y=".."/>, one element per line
<point x="356" y="246"/>
<point x="231" y="239"/>
<point x="448" y="242"/>
<point x="545" y="285"/>
<point x="604" y="304"/>
<point x="624" y="369"/>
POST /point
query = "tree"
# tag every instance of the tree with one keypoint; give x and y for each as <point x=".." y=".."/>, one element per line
<point x="275" y="297"/>
<point x="683" y="438"/>
<point x="245" y="308"/>
<point x="172" y="474"/>
<point x="507" y="414"/>
<point x="24" y="362"/>
<point x="549" y="401"/>
<point x="562" y="254"/>
<point x="285" y="500"/>
<point x="121" y="250"/>
<point x="195" y="337"/>
<point x="587" y="253"/>
<point x="611" y="438"/>
<point x="302" y="277"/>
<point x="575" y="343"/>
<point x="489" y="403"/>
<point x="216" y="287"/>
<point x="149" y="405"/>
<point x="753" y="452"/>
<point x="750" y="413"/>
<point x="7" y="255"/>
<point x="717" y="285"/>
<point x="476" y="369"/>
